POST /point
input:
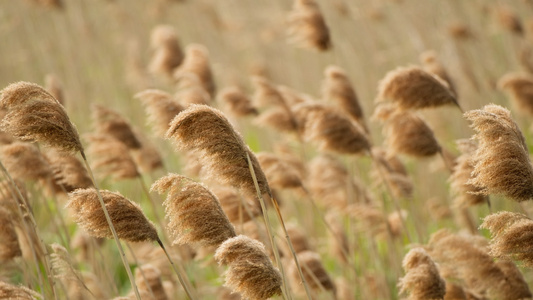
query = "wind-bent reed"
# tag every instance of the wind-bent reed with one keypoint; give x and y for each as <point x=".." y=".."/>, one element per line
<point x="520" y="88"/>
<point x="422" y="279"/>
<point x="236" y="102"/>
<point x="307" y="27"/>
<point x="197" y="62"/>
<point x="161" y="108"/>
<point x="10" y="248"/>
<point x="9" y="291"/>
<point x="168" y="54"/>
<point x="109" y="122"/>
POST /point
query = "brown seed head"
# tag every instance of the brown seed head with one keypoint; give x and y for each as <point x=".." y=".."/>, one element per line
<point x="236" y="102"/>
<point x="35" y="115"/>
<point x="68" y="171"/>
<point x="127" y="217"/>
<point x="330" y="130"/>
<point x="148" y="280"/>
<point x="9" y="291"/>
<point x="24" y="161"/>
<point x="197" y="62"/>
<point x="509" y="20"/>
<point x="161" y="108"/>
<point x="414" y="88"/>
<point x="336" y="88"/>
<point x="433" y="66"/>
<point x="110" y="157"/>
<point x="278" y="119"/>
<point x="223" y="152"/>
<point x="250" y="270"/>
<point x="168" y="54"/>
<point x="520" y="88"/>
<point x="109" y="122"/>
<point x="307" y="27"/>
<point x="194" y="213"/>
<point x="191" y="91"/>
<point x="233" y="205"/>
<point x="278" y="172"/>
<point x="314" y="273"/>
<point x="422" y="279"/>
<point x="460" y="31"/>
<point x="501" y="163"/>
<point x="54" y="87"/>
<point x="9" y="244"/>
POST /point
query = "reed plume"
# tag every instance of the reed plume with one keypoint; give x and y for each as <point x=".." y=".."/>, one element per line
<point x="68" y="171"/>
<point x="194" y="213"/>
<point x="501" y="163"/>
<point x="223" y="152"/>
<point x="149" y="281"/>
<point x="520" y="88"/>
<point x="432" y="65"/>
<point x="64" y="270"/>
<point x="250" y="270"/>
<point x="460" y="31"/>
<point x="168" y="54"/>
<point x="307" y="27"/>
<point x="394" y="172"/>
<point x="9" y="291"/>
<point x="509" y="20"/>
<point x="9" y="243"/>
<point x="280" y="116"/>
<point x="278" y="119"/>
<point x="109" y="122"/>
<point x="329" y="130"/>
<point x="55" y="88"/>
<point x="406" y="133"/>
<point x="110" y="157"/>
<point x="234" y="204"/>
<point x="191" y="91"/>
<point x="414" y="88"/>
<point x="24" y="161"/>
<point x="197" y="62"/>
<point x="236" y="102"/>
<point x="337" y="88"/>
<point x="314" y="272"/>
<point x="422" y="279"/>
<point x="161" y="108"/>
<point x="34" y="115"/>
<point x="278" y="172"/>
<point x="465" y="193"/>
<point x="298" y="238"/>
<point x="147" y="158"/>
<point x="127" y="217"/>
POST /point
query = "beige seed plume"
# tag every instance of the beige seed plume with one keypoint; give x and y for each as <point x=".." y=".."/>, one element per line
<point x="194" y="213"/>
<point x="250" y="270"/>
<point x="406" y="133"/>
<point x="168" y="54"/>
<point x="330" y="130"/>
<point x="24" y="161"/>
<point x="278" y="119"/>
<point x="422" y="280"/>
<point x="161" y="108"/>
<point x="197" y="62"/>
<point x="127" y="217"/>
<point x="109" y="122"/>
<point x="314" y="273"/>
<point x="337" y="88"/>
<point x="394" y="172"/>
<point x="68" y="171"/>
<point x="509" y="20"/>
<point x="191" y="91"/>
<point x="414" y="88"/>
<point x="55" y="88"/>
<point x="307" y="27"/>
<point x="147" y="158"/>
<point x="9" y="244"/>
<point x="223" y="152"/>
<point x="9" y="291"/>
<point x="236" y="102"/>
<point x="34" y="115"/>
<point x="501" y="163"/>
<point x="110" y="157"/>
<point x="520" y="88"/>
<point x="432" y="65"/>
<point x="148" y="279"/>
<point x="233" y="205"/>
<point x="279" y="173"/>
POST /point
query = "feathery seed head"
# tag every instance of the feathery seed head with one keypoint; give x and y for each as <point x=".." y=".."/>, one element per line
<point x="24" y="161"/>
<point x="336" y="88"/>
<point x="307" y="27"/>
<point x="236" y="102"/>
<point x="422" y="279"/>
<point x="161" y="108"/>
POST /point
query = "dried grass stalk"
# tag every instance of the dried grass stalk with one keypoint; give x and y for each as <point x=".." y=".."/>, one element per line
<point x="422" y="280"/>
<point x="337" y="88"/>
<point x="149" y="281"/>
<point x="406" y="133"/>
<point x="168" y="54"/>
<point x="520" y="88"/>
<point x="130" y="222"/>
<point x="250" y="270"/>
<point x="64" y="270"/>
<point x="161" y="108"/>
<point x="34" y="115"/>
<point x="197" y="62"/>
<point x="9" y="291"/>
<point x="109" y="122"/>
<point x="68" y="171"/>
<point x="279" y="173"/>
<point x="9" y="243"/>
<point x="306" y="26"/>
<point x="414" y="88"/>
<point x="298" y="238"/>
<point x="465" y="193"/>
<point x="110" y="157"/>
<point x="236" y="102"/>
<point x="501" y="163"/>
<point x="330" y="130"/>
<point x="194" y="213"/>
<point x="24" y="161"/>
<point x="314" y="272"/>
<point x="222" y="150"/>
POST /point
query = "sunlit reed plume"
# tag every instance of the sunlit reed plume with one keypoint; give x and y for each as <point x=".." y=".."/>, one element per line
<point x="233" y="205"/>
<point x="520" y="89"/>
<point x="306" y="26"/>
<point x="422" y="279"/>
<point x="110" y="157"/>
<point x="34" y="115"/>
<point x="329" y="130"/>
<point x="24" y="161"/>
<point x="127" y="217"/>
<point x="147" y="158"/>
<point x="278" y="119"/>
<point x="414" y="88"/>
<point x="236" y="102"/>
<point x="509" y="20"/>
<point x="392" y="170"/>
<point x="280" y="116"/>
<point x="68" y="171"/>
<point x="465" y="193"/>
<point x="279" y="173"/>
<point x="501" y="162"/>
<point x="161" y="108"/>
<point x="298" y="238"/>
<point x="168" y="54"/>
<point x="109" y="122"/>
<point x="64" y="269"/>
<point x="223" y="152"/>
<point x="9" y="244"/>
<point x="432" y="65"/>
<point x="54" y="87"/>
<point x="314" y="272"/>
<point x="191" y="91"/>
<point x="406" y="133"/>
<point x="9" y="291"/>
<point x="250" y="271"/>
<point x="197" y="62"/>
<point x="194" y="213"/>
<point x="337" y="88"/>
<point x="149" y="281"/>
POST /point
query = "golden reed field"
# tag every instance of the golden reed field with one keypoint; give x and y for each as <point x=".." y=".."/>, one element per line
<point x="238" y="149"/>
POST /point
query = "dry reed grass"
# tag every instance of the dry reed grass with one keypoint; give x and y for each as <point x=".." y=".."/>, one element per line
<point x="520" y="88"/>
<point x="307" y="27"/>
<point x="432" y="65"/>
<point x="422" y="279"/>
<point x="236" y="102"/>
<point x="9" y="244"/>
<point x="24" y="161"/>
<point x="110" y="157"/>
<point x="55" y="88"/>
<point x="233" y="205"/>
<point x="168" y="54"/>
<point x="9" y="291"/>
<point x="197" y="62"/>
<point x="161" y="108"/>
<point x="314" y="272"/>
<point x="68" y="171"/>
<point x="280" y="174"/>
<point x="109" y="122"/>
<point x="149" y="281"/>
